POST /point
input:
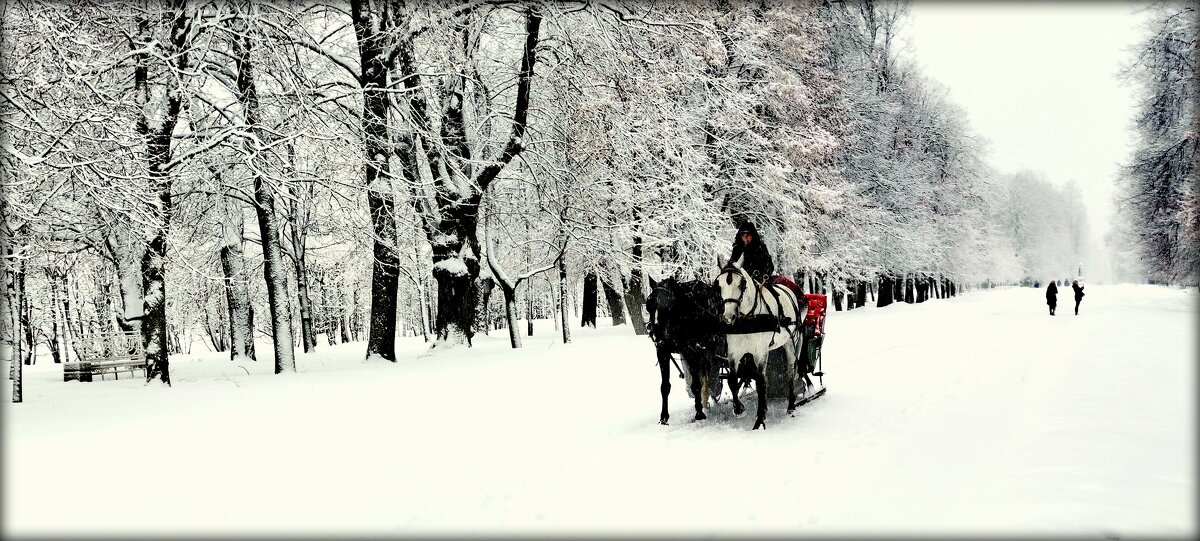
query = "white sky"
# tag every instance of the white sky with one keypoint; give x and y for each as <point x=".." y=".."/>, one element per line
<point x="1040" y="82"/>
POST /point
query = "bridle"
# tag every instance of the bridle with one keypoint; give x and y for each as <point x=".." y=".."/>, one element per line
<point x="742" y="291"/>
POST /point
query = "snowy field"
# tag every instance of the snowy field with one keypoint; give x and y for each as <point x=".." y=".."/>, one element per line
<point x="978" y="415"/>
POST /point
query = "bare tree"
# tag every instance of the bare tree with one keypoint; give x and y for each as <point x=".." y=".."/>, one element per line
<point x="257" y="149"/>
<point x="156" y="125"/>
<point x="445" y="155"/>
<point x="509" y="282"/>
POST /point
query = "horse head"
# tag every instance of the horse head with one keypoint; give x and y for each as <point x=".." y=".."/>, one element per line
<point x="660" y="304"/>
<point x="736" y="290"/>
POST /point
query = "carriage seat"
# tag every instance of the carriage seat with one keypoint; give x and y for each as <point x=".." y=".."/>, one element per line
<point x="814" y="319"/>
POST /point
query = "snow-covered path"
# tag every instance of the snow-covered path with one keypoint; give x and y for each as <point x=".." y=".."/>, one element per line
<point x="979" y="414"/>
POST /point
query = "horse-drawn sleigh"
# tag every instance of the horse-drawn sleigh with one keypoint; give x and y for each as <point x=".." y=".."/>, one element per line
<point x="731" y="330"/>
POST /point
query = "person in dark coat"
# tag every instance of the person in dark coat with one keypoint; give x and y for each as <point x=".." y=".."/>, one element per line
<point x="1078" y="294"/>
<point x="756" y="259"/>
<point x="1052" y="296"/>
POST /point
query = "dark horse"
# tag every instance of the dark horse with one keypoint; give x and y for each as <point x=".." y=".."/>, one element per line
<point x="685" y="319"/>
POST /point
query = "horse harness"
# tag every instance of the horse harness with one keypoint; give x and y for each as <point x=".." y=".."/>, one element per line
<point x="757" y="298"/>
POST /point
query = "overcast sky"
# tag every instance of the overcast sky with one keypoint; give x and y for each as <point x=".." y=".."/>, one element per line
<point x="1040" y="82"/>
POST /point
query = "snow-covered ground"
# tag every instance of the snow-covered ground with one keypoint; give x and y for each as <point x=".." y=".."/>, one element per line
<point x="979" y="414"/>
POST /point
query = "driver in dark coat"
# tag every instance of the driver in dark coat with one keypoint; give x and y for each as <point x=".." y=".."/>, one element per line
<point x="756" y="259"/>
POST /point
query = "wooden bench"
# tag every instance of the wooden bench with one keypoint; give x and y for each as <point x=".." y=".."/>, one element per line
<point x="110" y="353"/>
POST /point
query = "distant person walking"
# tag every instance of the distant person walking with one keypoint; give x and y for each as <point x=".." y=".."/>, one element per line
<point x="1052" y="296"/>
<point x="1078" y="294"/>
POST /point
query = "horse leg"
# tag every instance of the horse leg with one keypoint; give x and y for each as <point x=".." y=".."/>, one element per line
<point x="664" y="368"/>
<point x="735" y="387"/>
<point x="698" y="390"/>
<point x="760" y="383"/>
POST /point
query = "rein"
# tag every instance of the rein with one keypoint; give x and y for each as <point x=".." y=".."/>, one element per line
<point x="757" y="293"/>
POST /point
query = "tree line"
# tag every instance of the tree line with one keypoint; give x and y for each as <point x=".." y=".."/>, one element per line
<point x="1156" y="236"/>
<point x="234" y="169"/>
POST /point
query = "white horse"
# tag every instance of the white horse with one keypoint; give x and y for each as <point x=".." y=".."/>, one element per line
<point x="747" y="351"/>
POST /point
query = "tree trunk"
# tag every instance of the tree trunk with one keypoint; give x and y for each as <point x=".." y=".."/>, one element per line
<point x="897" y="289"/>
<point x="455" y="305"/>
<point x="173" y="343"/>
<point x="529" y="306"/>
<point x="886" y="290"/>
<point x="268" y="225"/>
<point x="590" y="295"/>
<point x="860" y="294"/>
<point x="425" y="319"/>
<point x="52" y="341"/>
<point x="273" y="274"/>
<point x="237" y="294"/>
<point x="296" y="228"/>
<point x="129" y="287"/>
<point x="355" y="317"/>
<point x="7" y="335"/>
<point x="216" y="333"/>
<point x="908" y="288"/>
<point x="385" y="272"/>
<point x="15" y="293"/>
<point x="80" y="319"/>
<point x="510" y="315"/>
<point x="837" y="299"/>
<point x="289" y="292"/>
<point x="562" y="300"/>
<point x="157" y="134"/>
<point x="328" y="317"/>
<point x="68" y="321"/>
<point x="553" y="303"/>
<point x="613" y="298"/>
<point x="27" y="319"/>
<point x="635" y="298"/>
<point x="298" y="235"/>
<point x="483" y="311"/>
<point x="103" y="303"/>
<point x="84" y="323"/>
<point x="344" y="319"/>
<point x="154" y="311"/>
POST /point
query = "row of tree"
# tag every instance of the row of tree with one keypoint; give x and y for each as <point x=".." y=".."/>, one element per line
<point x="379" y="167"/>
<point x="1045" y="225"/>
<point x="1157" y="234"/>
